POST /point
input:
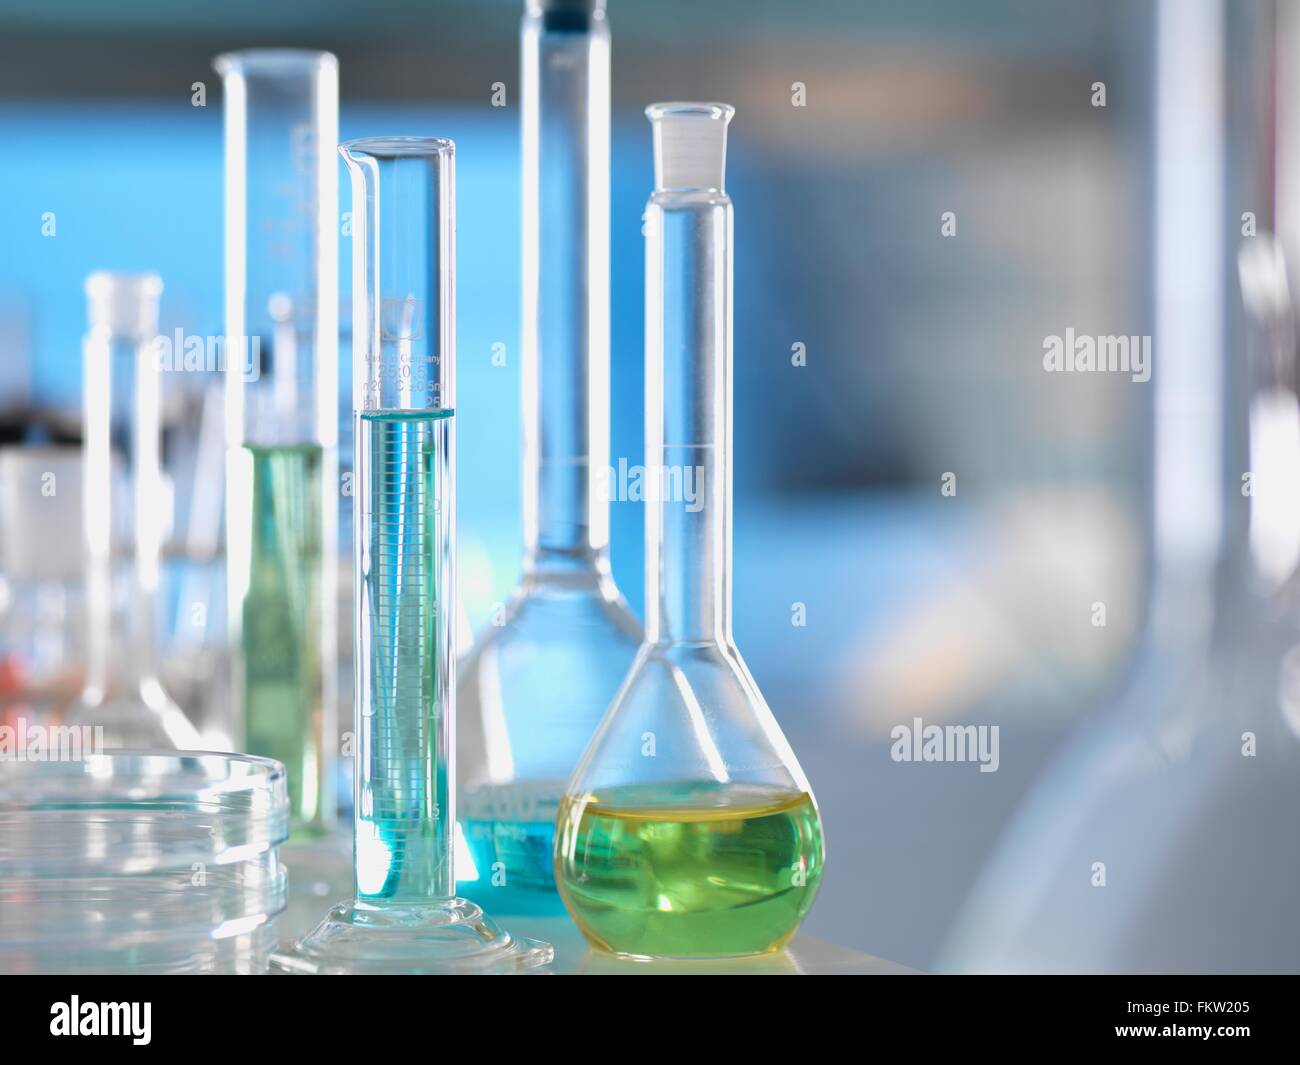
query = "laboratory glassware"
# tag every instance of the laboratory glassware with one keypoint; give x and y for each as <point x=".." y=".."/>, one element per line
<point x="41" y="573"/>
<point x="281" y="348"/>
<point x="404" y="916"/>
<point x="688" y="828"/>
<point x="198" y="670"/>
<point x="140" y="861"/>
<point x="538" y="679"/>
<point x="1162" y="837"/>
<point x="124" y="510"/>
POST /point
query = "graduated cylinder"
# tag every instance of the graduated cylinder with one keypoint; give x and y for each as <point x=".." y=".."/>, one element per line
<point x="281" y="354"/>
<point x="403" y="365"/>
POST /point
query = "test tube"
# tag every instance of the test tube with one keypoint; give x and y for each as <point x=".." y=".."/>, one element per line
<point x="123" y="513"/>
<point x="404" y="915"/>
<point x="281" y="372"/>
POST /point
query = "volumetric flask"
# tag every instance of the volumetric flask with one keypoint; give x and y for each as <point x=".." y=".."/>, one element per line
<point x="688" y="829"/>
<point x="124" y="512"/>
<point x="404" y="916"/>
<point x="281" y="370"/>
<point x="535" y="684"/>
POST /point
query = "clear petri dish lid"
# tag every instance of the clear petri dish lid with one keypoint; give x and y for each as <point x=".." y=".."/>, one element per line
<point x="135" y="813"/>
<point x="141" y="862"/>
<point x="180" y="910"/>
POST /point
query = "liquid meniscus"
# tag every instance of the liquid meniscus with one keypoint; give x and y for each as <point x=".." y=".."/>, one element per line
<point x="689" y="870"/>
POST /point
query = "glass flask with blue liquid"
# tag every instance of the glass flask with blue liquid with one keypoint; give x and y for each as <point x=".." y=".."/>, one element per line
<point x="534" y="686"/>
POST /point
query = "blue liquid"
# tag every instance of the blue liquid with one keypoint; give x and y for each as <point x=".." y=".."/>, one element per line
<point x="509" y="830"/>
<point x="403" y="844"/>
<point x="523" y="845"/>
<point x="544" y="679"/>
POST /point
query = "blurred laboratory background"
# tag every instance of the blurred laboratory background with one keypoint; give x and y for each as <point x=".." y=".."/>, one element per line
<point x="927" y="524"/>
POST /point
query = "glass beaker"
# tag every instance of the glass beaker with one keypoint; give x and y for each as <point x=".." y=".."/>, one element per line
<point x="404" y="915"/>
<point x="688" y="829"/>
<point x="536" y="682"/>
<point x="124" y="512"/>
<point x="280" y="111"/>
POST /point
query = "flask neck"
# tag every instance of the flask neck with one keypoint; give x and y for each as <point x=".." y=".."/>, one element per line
<point x="565" y="359"/>
<point x="123" y="508"/>
<point x="688" y="417"/>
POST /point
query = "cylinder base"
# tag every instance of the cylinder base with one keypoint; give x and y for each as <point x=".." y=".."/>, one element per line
<point x="444" y="937"/>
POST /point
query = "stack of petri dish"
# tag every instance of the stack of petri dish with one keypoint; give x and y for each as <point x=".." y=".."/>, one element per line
<point x="141" y="862"/>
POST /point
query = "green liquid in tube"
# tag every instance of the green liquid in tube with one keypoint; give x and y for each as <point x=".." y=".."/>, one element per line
<point x="280" y="618"/>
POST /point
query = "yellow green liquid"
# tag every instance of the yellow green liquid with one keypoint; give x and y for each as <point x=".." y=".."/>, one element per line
<point x="279" y="616"/>
<point x="689" y="870"/>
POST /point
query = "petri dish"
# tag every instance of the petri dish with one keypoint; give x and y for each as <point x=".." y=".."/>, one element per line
<point x="141" y="862"/>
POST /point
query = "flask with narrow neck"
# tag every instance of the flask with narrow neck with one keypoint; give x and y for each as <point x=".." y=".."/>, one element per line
<point x="688" y="828"/>
<point x="538" y="679"/>
<point x="124" y="510"/>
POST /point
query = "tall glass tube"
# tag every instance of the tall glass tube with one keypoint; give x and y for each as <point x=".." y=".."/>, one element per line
<point x="281" y="309"/>
<point x="1162" y="791"/>
<point x="538" y="679"/>
<point x="404" y="915"/>
<point x="688" y="829"/>
<point x="123" y="514"/>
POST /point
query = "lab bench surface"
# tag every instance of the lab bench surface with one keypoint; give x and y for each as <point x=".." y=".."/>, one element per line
<point x="324" y="867"/>
<point x="805" y="955"/>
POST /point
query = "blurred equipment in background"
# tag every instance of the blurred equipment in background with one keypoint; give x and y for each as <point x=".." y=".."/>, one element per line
<point x="125" y="512"/>
<point x="1164" y="839"/>
<point x="40" y="593"/>
<point x="281" y="367"/>
<point x="195" y="667"/>
<point x="535" y="685"/>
